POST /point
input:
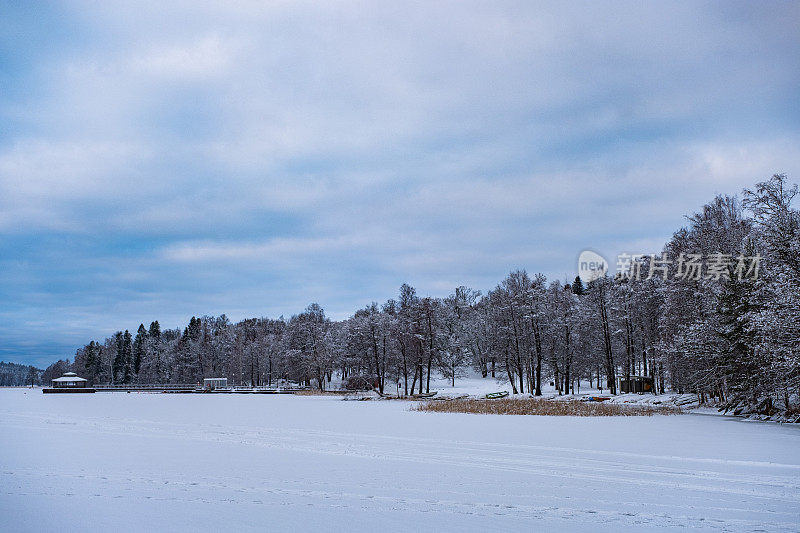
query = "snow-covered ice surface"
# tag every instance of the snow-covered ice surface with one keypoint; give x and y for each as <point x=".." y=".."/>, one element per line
<point x="119" y="462"/>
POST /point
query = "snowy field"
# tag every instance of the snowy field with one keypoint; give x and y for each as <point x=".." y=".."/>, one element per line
<point x="124" y="462"/>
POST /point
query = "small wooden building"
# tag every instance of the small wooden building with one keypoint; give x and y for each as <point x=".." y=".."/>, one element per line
<point x="69" y="382"/>
<point x="640" y="384"/>
<point x="215" y="383"/>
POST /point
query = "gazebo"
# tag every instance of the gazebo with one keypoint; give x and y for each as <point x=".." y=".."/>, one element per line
<point x="69" y="382"/>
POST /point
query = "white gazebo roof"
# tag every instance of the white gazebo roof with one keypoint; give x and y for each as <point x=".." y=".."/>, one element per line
<point x="69" y="376"/>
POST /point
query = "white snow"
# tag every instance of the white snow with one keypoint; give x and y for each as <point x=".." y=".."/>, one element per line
<point x="123" y="462"/>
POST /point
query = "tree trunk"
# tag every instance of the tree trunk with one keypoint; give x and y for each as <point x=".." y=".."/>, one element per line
<point x="508" y="371"/>
<point x="517" y="351"/>
<point x="611" y="377"/>
<point x="430" y="352"/>
<point x="377" y="363"/>
<point x="537" y="341"/>
<point x="405" y="366"/>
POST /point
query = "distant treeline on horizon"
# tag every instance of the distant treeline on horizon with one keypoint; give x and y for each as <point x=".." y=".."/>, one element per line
<point x="726" y="337"/>
<point x="17" y="375"/>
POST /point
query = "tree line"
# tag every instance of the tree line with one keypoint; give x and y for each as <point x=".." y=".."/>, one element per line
<point x="16" y="375"/>
<point x="724" y="336"/>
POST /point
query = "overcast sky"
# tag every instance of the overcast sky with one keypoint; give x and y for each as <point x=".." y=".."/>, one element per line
<point x="250" y="158"/>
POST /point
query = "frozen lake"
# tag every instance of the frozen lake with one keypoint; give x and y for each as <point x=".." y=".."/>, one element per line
<point x="115" y="461"/>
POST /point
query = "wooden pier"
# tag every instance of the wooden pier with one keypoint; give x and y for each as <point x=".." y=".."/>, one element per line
<point x="192" y="388"/>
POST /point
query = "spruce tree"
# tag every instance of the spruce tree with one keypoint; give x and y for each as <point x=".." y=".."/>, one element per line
<point x="139" y="346"/>
<point x="88" y="359"/>
<point x="91" y="362"/>
<point x="737" y="362"/>
<point x="118" y="365"/>
<point x="155" y="330"/>
<point x="577" y="286"/>
<point x="127" y="356"/>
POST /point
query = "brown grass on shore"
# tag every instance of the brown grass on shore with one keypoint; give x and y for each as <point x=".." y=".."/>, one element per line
<point x="530" y="406"/>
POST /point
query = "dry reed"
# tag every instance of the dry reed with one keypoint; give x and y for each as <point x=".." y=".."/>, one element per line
<point x="531" y="406"/>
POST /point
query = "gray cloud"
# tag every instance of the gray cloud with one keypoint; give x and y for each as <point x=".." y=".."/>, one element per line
<point x="164" y="161"/>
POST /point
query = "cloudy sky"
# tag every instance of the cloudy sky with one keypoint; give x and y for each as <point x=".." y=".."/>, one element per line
<point x="249" y="158"/>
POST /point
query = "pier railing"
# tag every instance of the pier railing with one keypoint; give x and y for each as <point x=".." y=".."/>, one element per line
<point x="192" y="387"/>
<point x="148" y="386"/>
